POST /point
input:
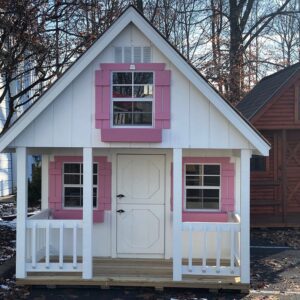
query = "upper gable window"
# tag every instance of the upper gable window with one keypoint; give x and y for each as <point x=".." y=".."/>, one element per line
<point x="132" y="98"/>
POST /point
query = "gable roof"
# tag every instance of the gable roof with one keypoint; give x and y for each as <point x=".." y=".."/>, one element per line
<point x="132" y="15"/>
<point x="264" y="91"/>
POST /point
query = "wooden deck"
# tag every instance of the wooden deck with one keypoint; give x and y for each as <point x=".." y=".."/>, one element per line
<point x="155" y="273"/>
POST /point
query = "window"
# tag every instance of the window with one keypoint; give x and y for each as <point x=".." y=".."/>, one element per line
<point x="132" y="99"/>
<point x="73" y="185"/>
<point x="258" y="163"/>
<point x="202" y="186"/>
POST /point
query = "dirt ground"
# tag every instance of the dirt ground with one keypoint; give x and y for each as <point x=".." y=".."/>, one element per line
<point x="275" y="274"/>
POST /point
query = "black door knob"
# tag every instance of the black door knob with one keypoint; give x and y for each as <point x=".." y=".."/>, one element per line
<point x="120" y="196"/>
<point x="120" y="211"/>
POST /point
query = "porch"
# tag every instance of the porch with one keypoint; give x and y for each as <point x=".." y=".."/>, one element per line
<point x="155" y="273"/>
<point x="195" y="254"/>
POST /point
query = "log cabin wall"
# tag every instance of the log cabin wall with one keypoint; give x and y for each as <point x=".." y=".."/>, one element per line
<point x="275" y="187"/>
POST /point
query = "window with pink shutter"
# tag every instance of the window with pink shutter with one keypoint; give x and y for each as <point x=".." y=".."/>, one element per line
<point x="132" y="102"/>
<point x="65" y="187"/>
<point x="208" y="189"/>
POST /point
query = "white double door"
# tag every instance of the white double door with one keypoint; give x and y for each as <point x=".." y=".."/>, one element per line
<point x="140" y="205"/>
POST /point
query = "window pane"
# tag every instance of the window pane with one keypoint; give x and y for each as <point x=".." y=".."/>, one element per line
<point x="142" y="119"/>
<point x="144" y="91"/>
<point x="122" y="106"/>
<point x="194" y="180"/>
<point x="122" y="91"/>
<point x="72" y="179"/>
<point x="122" y="118"/>
<point x="143" y="77"/>
<point x="211" y="169"/>
<point x="94" y="197"/>
<point x="95" y="179"/>
<point x="72" y="168"/>
<point x="142" y="106"/>
<point x="122" y="78"/>
<point x="73" y="196"/>
<point x="194" y="198"/>
<point x="210" y="203"/>
<point x="212" y="180"/>
<point x="211" y="193"/>
<point x="95" y="168"/>
<point x="193" y="169"/>
<point x="258" y="163"/>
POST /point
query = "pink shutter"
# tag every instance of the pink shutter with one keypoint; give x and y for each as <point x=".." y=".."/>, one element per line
<point x="102" y="84"/>
<point x="162" y="99"/>
<point x="55" y="186"/>
<point x="227" y="187"/>
<point x="104" y="201"/>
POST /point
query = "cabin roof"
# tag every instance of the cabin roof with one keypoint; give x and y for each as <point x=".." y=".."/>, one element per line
<point x="132" y="15"/>
<point x="264" y="91"/>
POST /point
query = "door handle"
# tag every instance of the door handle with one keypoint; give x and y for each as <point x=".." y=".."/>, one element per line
<point x="120" y="211"/>
<point x="120" y="196"/>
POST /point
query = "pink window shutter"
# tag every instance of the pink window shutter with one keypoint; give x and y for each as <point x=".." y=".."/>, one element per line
<point x="227" y="186"/>
<point x="162" y="99"/>
<point x="55" y="186"/>
<point x="102" y="99"/>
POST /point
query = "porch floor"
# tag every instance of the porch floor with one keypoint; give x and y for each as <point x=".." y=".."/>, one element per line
<point x="155" y="273"/>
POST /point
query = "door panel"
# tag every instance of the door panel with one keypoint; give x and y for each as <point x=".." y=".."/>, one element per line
<point x="140" y="217"/>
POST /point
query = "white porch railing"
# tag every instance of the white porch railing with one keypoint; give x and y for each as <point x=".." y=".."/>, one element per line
<point x="44" y="235"/>
<point x="213" y="262"/>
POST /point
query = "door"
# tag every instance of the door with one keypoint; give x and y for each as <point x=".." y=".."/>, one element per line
<point x="140" y="205"/>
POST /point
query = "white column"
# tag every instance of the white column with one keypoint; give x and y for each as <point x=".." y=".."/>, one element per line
<point x="87" y="219"/>
<point x="45" y="181"/>
<point x="177" y="214"/>
<point x="245" y="215"/>
<point x="22" y="199"/>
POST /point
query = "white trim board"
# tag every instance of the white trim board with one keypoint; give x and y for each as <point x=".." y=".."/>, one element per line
<point x="131" y="15"/>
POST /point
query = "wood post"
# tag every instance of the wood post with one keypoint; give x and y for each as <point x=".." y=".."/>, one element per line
<point x="22" y="199"/>
<point x="245" y="215"/>
<point x="87" y="244"/>
<point x="177" y="214"/>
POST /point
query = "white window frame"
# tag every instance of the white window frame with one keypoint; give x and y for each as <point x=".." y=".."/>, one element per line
<point x="78" y="185"/>
<point x="202" y="187"/>
<point x="132" y="99"/>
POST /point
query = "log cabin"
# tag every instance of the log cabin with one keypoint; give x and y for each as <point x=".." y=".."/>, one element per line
<point x="273" y="107"/>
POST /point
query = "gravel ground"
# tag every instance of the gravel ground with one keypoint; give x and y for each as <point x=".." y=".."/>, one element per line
<point x="275" y="274"/>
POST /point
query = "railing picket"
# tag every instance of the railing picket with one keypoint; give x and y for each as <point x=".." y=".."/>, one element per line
<point x="61" y="245"/>
<point x="33" y="246"/>
<point x="75" y="246"/>
<point x="232" y="250"/>
<point x="47" y="258"/>
<point x="218" y="250"/>
<point x="190" y="248"/>
<point x="204" y="250"/>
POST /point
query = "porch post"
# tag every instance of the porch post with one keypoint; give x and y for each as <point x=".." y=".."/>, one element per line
<point x="22" y="198"/>
<point x="245" y="215"/>
<point x="87" y="272"/>
<point x="177" y="214"/>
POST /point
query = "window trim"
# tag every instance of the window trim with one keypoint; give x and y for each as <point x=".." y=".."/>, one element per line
<point x="162" y="113"/>
<point x="203" y="187"/>
<point x="132" y="99"/>
<point x="78" y="185"/>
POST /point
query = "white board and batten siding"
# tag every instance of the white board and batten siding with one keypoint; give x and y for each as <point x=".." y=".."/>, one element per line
<point x="69" y="121"/>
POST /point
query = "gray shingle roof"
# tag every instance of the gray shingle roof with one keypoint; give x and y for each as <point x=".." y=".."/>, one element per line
<point x="264" y="91"/>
